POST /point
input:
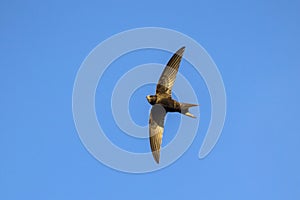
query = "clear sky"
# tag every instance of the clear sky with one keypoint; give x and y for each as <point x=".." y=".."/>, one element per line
<point x="255" y="45"/>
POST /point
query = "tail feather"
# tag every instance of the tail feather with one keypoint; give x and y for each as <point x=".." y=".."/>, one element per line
<point x="184" y="107"/>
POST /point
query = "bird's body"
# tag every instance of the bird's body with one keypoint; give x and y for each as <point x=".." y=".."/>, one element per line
<point x="169" y="104"/>
<point x="162" y="103"/>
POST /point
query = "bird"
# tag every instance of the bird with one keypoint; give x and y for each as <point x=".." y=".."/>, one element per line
<point x="162" y="103"/>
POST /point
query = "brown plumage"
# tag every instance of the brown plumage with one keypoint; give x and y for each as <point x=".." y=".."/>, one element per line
<point x="162" y="103"/>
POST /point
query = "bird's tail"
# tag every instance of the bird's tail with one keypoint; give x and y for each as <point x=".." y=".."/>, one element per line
<point x="184" y="107"/>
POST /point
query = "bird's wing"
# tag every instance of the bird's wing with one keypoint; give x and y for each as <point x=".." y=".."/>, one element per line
<point x="156" y="129"/>
<point x="168" y="76"/>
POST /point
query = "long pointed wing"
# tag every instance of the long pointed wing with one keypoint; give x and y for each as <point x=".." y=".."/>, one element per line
<point x="156" y="129"/>
<point x="167" y="78"/>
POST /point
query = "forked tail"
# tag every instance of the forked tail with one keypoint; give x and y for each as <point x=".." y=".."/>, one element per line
<point x="184" y="107"/>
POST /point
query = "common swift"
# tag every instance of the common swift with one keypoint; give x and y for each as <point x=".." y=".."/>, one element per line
<point x="162" y="103"/>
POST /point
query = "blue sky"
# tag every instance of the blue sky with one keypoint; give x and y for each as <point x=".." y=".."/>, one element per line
<point x="255" y="45"/>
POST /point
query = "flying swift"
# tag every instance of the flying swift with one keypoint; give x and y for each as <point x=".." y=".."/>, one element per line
<point x="162" y="103"/>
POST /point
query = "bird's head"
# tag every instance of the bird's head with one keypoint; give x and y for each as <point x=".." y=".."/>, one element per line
<point x="151" y="99"/>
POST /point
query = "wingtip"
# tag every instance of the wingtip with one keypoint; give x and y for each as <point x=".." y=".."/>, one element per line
<point x="156" y="156"/>
<point x="180" y="51"/>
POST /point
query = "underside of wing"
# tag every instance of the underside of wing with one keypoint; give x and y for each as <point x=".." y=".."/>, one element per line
<point x="156" y="129"/>
<point x="168" y="76"/>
